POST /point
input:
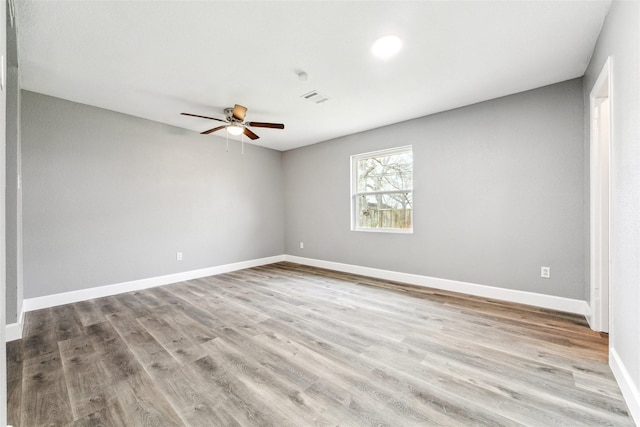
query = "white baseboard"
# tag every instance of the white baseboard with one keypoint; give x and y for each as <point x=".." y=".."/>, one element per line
<point x="31" y="304"/>
<point x="13" y="331"/>
<point x="628" y="387"/>
<point x="539" y="300"/>
<point x="530" y="298"/>
<point x="588" y="315"/>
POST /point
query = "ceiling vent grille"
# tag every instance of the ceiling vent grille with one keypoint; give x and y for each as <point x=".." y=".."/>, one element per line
<point x="315" y="96"/>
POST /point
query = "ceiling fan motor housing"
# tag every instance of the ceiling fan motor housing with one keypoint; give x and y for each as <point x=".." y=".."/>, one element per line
<point x="228" y="113"/>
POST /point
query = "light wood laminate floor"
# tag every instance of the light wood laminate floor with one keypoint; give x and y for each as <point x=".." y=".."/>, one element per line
<point x="289" y="345"/>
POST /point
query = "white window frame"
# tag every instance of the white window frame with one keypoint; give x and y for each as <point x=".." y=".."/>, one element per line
<point x="355" y="193"/>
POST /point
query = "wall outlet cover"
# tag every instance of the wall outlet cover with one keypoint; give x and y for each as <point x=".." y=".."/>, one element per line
<point x="545" y="272"/>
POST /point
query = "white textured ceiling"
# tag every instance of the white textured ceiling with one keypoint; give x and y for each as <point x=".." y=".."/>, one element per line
<point x="156" y="59"/>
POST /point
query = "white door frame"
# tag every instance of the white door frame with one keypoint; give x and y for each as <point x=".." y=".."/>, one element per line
<point x="600" y="143"/>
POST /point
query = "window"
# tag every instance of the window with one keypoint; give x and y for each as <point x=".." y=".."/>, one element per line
<point x="382" y="190"/>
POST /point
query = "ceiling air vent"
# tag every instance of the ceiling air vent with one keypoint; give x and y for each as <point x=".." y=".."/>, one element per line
<point x="315" y="96"/>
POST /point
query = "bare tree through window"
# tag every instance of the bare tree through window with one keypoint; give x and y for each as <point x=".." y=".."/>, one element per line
<point x="383" y="190"/>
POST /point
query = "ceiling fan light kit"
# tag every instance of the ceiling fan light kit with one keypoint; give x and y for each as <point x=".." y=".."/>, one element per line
<point x="235" y="129"/>
<point x="235" y="123"/>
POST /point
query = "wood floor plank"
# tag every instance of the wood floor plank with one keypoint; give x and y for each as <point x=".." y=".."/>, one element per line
<point x="258" y="374"/>
<point x="192" y="397"/>
<point x="239" y="400"/>
<point x="549" y="385"/>
<point x="278" y="310"/>
<point x="136" y="349"/>
<point x="134" y="304"/>
<point x="112" y="415"/>
<point x="142" y="403"/>
<point x="112" y="305"/>
<point x="89" y="313"/>
<point x="39" y="336"/>
<point x="472" y="309"/>
<point x="15" y="357"/>
<point x="67" y="322"/>
<point x="346" y="385"/>
<point x="84" y="377"/>
<point x="117" y="361"/>
<point x="39" y="321"/>
<point x="14" y="396"/>
<point x="292" y="345"/>
<point x="178" y="345"/>
<point x="355" y="378"/>
<point x="45" y="400"/>
<point x="185" y="325"/>
<point x="396" y="319"/>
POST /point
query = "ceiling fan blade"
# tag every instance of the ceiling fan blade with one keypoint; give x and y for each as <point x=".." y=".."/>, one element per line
<point x="266" y="125"/>
<point x="204" y="117"/>
<point x="207" y="132"/>
<point x="250" y="134"/>
<point x="239" y="112"/>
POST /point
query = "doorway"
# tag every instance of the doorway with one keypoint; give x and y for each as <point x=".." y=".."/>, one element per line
<point x="600" y="199"/>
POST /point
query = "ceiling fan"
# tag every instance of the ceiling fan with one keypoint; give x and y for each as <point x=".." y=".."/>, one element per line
<point x="235" y="123"/>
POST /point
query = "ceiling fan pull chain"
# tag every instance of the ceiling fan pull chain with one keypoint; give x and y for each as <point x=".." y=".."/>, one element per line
<point x="242" y="139"/>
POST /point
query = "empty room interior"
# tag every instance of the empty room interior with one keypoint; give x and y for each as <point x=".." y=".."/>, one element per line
<point x="308" y="213"/>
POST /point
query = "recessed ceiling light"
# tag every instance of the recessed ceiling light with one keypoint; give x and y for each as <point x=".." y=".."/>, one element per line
<point x="387" y="46"/>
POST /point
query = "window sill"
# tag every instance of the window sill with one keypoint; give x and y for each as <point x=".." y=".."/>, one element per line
<point x="384" y="230"/>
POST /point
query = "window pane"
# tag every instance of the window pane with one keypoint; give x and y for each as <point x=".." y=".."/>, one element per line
<point x="392" y="210"/>
<point x="385" y="173"/>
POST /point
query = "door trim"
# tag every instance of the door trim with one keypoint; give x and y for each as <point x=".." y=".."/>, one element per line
<point x="600" y="203"/>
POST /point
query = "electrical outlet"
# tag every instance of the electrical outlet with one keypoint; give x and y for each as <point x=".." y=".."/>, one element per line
<point x="179" y="256"/>
<point x="301" y="245"/>
<point x="545" y="272"/>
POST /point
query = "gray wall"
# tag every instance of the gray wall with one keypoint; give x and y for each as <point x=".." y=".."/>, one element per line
<point x="499" y="192"/>
<point x="13" y="197"/>
<point x="620" y="39"/>
<point x="109" y="198"/>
